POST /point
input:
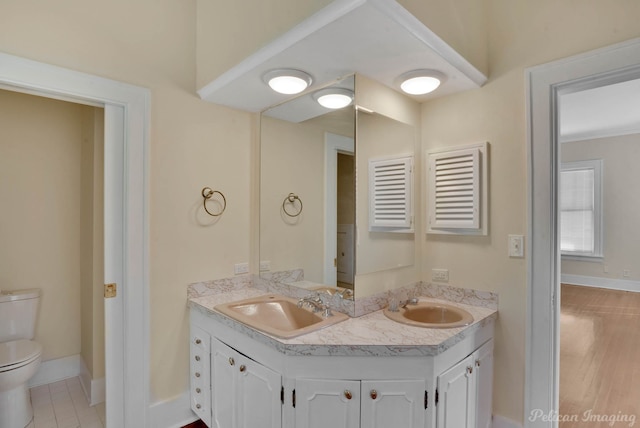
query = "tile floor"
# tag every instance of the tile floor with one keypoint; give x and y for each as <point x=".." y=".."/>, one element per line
<point x="63" y="405"/>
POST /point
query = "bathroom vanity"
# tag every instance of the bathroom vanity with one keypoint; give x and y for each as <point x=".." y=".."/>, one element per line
<point x="368" y="371"/>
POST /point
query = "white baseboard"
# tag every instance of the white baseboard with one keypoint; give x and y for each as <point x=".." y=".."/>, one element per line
<point x="594" y="281"/>
<point x="55" y="370"/>
<point x="502" y="422"/>
<point x="94" y="389"/>
<point x="174" y="413"/>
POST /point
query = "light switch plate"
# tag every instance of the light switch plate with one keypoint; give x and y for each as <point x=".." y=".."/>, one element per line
<point x="516" y="246"/>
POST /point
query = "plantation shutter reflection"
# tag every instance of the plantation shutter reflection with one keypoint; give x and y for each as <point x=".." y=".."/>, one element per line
<point x="390" y="194"/>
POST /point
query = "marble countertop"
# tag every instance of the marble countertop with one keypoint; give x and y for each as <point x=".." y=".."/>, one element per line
<point x="369" y="335"/>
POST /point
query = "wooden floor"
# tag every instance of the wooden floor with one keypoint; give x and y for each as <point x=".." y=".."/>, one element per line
<point x="599" y="357"/>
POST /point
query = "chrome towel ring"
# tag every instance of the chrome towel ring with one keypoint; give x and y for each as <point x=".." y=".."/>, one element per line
<point x="292" y="198"/>
<point x="207" y="193"/>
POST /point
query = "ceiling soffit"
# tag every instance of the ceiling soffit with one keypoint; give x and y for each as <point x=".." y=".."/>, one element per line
<point x="376" y="38"/>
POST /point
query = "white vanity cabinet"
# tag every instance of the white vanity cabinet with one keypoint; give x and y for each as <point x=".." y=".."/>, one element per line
<point x="464" y="391"/>
<point x="254" y="380"/>
<point x="244" y="393"/>
<point x="352" y="404"/>
<point x="321" y="403"/>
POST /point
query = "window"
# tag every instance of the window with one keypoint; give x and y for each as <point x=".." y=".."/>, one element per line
<point x="581" y="208"/>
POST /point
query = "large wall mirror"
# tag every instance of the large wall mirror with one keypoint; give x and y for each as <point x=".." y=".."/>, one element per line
<point x="314" y="194"/>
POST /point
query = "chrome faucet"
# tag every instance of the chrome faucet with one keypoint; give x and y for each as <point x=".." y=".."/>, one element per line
<point x="315" y="302"/>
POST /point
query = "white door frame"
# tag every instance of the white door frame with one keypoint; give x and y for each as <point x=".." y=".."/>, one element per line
<point x="125" y="222"/>
<point x="544" y="85"/>
<point x="332" y="145"/>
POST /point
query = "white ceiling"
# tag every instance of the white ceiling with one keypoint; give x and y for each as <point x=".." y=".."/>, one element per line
<point x="601" y="112"/>
<point x="377" y="38"/>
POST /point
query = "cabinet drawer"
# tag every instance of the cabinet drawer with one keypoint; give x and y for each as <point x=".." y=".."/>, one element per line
<point x="200" y="374"/>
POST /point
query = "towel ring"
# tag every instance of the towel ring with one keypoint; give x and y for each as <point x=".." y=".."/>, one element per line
<point x="291" y="198"/>
<point x="207" y="193"/>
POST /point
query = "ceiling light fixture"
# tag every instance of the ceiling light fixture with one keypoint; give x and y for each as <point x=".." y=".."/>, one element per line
<point x="287" y="81"/>
<point x="334" y="98"/>
<point x="420" y="82"/>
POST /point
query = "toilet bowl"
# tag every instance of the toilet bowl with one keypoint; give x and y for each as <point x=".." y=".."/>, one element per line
<point x="19" y="355"/>
<point x="19" y="361"/>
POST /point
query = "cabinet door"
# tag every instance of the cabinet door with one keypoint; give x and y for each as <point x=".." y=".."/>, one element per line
<point x="456" y="396"/>
<point x="223" y="385"/>
<point x="200" y="374"/>
<point x="327" y="403"/>
<point x="258" y="395"/>
<point x="393" y="404"/>
<point x="484" y="384"/>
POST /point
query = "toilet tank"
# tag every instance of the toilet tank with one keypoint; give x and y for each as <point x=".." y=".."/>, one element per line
<point x="18" y="314"/>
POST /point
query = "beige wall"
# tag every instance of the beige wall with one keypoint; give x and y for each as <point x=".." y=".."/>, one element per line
<point x="193" y="144"/>
<point x="40" y="171"/>
<point x="522" y="33"/>
<point x="620" y="205"/>
<point x="230" y="31"/>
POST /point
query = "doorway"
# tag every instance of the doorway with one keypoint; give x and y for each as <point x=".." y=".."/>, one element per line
<point x="546" y="83"/>
<point x="126" y="122"/>
<point x="338" y="229"/>
<point x="51" y="168"/>
<point x="599" y="147"/>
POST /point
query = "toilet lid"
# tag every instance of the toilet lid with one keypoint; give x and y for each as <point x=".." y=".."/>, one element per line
<point x="16" y="352"/>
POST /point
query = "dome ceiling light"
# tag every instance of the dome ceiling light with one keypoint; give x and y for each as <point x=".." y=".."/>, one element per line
<point x="334" y="98"/>
<point x="287" y="81"/>
<point x="420" y="82"/>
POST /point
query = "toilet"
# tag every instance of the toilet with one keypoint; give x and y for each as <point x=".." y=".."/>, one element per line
<point x="19" y="355"/>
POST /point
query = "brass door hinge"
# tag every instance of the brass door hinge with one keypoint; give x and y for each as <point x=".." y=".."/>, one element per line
<point x="110" y="290"/>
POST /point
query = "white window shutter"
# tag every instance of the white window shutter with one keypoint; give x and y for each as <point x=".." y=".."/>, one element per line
<point x="390" y="194"/>
<point x="456" y="191"/>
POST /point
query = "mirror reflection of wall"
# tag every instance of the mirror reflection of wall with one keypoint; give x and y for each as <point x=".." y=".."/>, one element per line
<point x="300" y="144"/>
<point x="316" y="154"/>
<point x="380" y="138"/>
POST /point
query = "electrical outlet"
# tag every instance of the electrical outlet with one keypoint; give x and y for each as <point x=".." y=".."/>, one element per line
<point x="626" y="273"/>
<point x="440" y="275"/>
<point x="516" y="246"/>
<point x="240" y="268"/>
<point x="265" y="265"/>
<point x="606" y="268"/>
